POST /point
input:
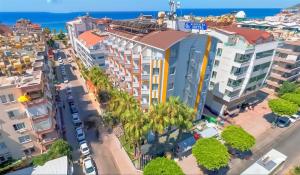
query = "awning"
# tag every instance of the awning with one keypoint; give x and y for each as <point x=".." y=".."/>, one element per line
<point x="209" y="132"/>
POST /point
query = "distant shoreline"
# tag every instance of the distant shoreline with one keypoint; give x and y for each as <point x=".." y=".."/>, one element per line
<point x="57" y="20"/>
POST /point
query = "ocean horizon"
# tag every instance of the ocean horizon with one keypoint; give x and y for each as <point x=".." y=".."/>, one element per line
<point x="57" y="21"/>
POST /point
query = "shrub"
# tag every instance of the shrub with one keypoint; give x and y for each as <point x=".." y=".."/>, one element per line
<point x="287" y="87"/>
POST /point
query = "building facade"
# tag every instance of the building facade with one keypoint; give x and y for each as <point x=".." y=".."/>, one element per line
<point x="27" y="108"/>
<point x="286" y="65"/>
<point x="154" y="63"/>
<point x="90" y="48"/>
<point x="242" y="64"/>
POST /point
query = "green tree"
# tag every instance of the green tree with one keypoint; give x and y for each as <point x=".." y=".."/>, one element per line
<point x="61" y="35"/>
<point x="287" y="87"/>
<point x="158" y="119"/>
<point x="292" y="97"/>
<point x="58" y="149"/>
<point x="185" y="119"/>
<point x="282" y="107"/>
<point x="211" y="154"/>
<point x="46" y="31"/>
<point x="237" y="138"/>
<point x="162" y="166"/>
<point x="136" y="128"/>
<point x="295" y="170"/>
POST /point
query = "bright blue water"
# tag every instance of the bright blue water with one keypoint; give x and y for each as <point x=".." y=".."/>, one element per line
<point x="57" y="20"/>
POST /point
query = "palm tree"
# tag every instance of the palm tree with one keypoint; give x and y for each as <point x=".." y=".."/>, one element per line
<point x="136" y="128"/>
<point x="158" y="119"/>
<point x="185" y="119"/>
<point x="173" y="108"/>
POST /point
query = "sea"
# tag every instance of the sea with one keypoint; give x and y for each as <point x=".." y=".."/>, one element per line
<point x="57" y="21"/>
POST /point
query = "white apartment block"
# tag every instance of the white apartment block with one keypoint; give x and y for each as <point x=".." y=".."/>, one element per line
<point x="90" y="48"/>
<point x="242" y="64"/>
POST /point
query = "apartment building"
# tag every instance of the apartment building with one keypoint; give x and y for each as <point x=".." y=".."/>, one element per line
<point x="83" y="24"/>
<point x="152" y="62"/>
<point x="27" y="108"/>
<point x="242" y="64"/>
<point x="286" y="65"/>
<point x="90" y="48"/>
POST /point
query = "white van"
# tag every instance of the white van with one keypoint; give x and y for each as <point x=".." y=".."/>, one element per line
<point x="267" y="164"/>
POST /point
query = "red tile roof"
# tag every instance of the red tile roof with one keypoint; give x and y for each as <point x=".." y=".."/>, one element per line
<point x="90" y="38"/>
<point x="251" y="35"/>
<point x="159" y="39"/>
<point x="4" y="30"/>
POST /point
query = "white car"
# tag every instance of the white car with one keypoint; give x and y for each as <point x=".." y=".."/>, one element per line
<point x="76" y="120"/>
<point x="295" y="117"/>
<point x="80" y="134"/>
<point x="60" y="60"/>
<point x="84" y="149"/>
<point x="88" y="167"/>
<point x="66" y="80"/>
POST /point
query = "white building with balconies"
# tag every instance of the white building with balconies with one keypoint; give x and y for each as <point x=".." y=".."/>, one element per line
<point x="242" y="64"/>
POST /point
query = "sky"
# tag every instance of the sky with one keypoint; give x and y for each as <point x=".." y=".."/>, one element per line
<point x="131" y="5"/>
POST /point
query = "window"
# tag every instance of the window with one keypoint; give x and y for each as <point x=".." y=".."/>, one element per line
<point x="13" y="113"/>
<point x="2" y="146"/>
<point x="19" y="126"/>
<point x="154" y="100"/>
<point x="11" y="97"/>
<point x="155" y="71"/>
<point x="3" y="99"/>
<point x="264" y="54"/>
<point x="214" y="74"/>
<point x="24" y="139"/>
<point x="217" y="62"/>
<point x="170" y="86"/>
<point x="234" y="83"/>
<point x="154" y="86"/>
<point x="172" y="70"/>
<point x="219" y="52"/>
<point x="240" y="58"/>
<point x="257" y="78"/>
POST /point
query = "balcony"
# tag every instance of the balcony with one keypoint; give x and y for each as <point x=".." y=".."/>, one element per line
<point x="146" y="60"/>
<point x="135" y="84"/>
<point x="136" y="70"/>
<point x="136" y="56"/>
<point x="127" y="52"/>
<point x="49" y="138"/>
<point x="44" y="126"/>
<point x="145" y="76"/>
<point x="37" y="111"/>
<point x="145" y="90"/>
<point x="128" y="78"/>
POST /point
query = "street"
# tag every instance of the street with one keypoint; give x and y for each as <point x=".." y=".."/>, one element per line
<point x="89" y="115"/>
<point x="287" y="143"/>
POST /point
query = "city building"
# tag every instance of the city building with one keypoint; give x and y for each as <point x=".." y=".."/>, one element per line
<point x="243" y="61"/>
<point x="286" y="65"/>
<point x="27" y="108"/>
<point x="83" y="24"/>
<point x="152" y="62"/>
<point x="90" y="48"/>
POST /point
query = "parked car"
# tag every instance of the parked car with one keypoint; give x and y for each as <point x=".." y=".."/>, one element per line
<point x="283" y="122"/>
<point x="80" y="134"/>
<point x="68" y="90"/>
<point x="84" y="149"/>
<point x="66" y="80"/>
<point x="295" y="117"/>
<point x="88" y="166"/>
<point x="60" y="60"/>
<point x="73" y="108"/>
<point x="76" y="120"/>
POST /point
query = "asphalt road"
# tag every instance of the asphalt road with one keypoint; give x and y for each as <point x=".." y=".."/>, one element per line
<point x="287" y="143"/>
<point x="101" y="154"/>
